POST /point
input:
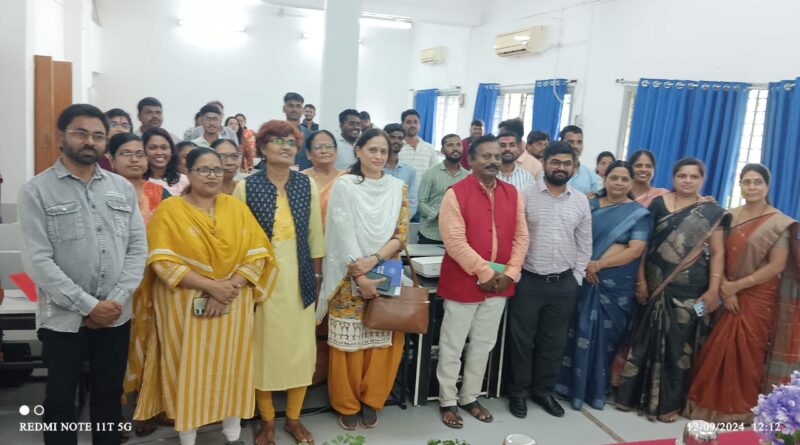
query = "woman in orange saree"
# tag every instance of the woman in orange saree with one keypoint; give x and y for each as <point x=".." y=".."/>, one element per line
<point x="730" y="370"/>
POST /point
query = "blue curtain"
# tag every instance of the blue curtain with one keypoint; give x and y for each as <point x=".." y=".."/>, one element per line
<point x="485" y="102"/>
<point x="425" y="104"/>
<point x="679" y="118"/>
<point x="548" y="98"/>
<point x="780" y="147"/>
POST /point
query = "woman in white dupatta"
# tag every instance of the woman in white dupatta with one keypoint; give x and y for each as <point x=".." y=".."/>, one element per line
<point x="367" y="220"/>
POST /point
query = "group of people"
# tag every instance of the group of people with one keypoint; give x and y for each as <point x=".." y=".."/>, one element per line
<point x="198" y="278"/>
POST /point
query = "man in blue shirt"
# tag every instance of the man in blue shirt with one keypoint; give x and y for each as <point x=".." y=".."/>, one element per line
<point x="393" y="166"/>
<point x="584" y="179"/>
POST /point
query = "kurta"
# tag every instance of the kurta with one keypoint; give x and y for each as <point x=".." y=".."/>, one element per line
<point x="198" y="370"/>
<point x="285" y="344"/>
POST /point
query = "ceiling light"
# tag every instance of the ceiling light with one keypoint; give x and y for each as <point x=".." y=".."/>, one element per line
<point x="393" y="23"/>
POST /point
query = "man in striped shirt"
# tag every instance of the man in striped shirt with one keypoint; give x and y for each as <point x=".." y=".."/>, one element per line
<point x="510" y="171"/>
<point x="416" y="152"/>
<point x="435" y="183"/>
<point x="560" y="232"/>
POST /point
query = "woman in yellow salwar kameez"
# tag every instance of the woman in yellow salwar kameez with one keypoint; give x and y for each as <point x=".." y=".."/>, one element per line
<point x="192" y="362"/>
<point x="367" y="222"/>
<point x="286" y="204"/>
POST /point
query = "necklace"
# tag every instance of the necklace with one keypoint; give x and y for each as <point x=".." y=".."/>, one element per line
<point x="675" y="202"/>
<point x="740" y="217"/>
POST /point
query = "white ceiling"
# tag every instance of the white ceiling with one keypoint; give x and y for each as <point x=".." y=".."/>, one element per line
<point x="449" y="12"/>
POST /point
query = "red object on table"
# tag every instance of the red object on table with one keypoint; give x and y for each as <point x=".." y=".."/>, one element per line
<point x="747" y="437"/>
<point x="25" y="284"/>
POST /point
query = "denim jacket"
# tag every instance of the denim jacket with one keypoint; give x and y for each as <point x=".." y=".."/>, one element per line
<point x="82" y="243"/>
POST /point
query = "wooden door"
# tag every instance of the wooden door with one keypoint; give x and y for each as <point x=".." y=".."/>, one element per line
<point x="52" y="94"/>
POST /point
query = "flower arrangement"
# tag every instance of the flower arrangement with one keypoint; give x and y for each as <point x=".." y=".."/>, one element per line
<point x="777" y="416"/>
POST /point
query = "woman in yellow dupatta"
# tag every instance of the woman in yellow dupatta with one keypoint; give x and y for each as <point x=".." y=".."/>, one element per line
<point x="205" y="247"/>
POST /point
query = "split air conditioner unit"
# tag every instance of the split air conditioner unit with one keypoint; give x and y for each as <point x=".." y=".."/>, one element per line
<point x="526" y="41"/>
<point x="432" y="55"/>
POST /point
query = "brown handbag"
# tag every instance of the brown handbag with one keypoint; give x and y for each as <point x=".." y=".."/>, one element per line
<point x="407" y="312"/>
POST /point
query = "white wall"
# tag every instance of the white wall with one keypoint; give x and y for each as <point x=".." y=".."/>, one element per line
<point x="597" y="42"/>
<point x="147" y="54"/>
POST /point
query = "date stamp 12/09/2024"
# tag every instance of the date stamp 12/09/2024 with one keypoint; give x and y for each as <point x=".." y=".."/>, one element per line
<point x="722" y="427"/>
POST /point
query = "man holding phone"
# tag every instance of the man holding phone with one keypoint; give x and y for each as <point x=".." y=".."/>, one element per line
<point x="485" y="234"/>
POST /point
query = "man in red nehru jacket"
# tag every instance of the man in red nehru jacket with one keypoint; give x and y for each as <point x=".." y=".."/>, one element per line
<point x="485" y="234"/>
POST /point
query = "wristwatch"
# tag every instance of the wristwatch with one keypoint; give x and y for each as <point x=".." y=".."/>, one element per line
<point x="378" y="257"/>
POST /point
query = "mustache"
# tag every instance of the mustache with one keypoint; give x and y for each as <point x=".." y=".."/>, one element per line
<point x="491" y="166"/>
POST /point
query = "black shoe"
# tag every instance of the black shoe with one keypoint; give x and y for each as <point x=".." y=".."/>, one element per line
<point x="549" y="404"/>
<point x="518" y="407"/>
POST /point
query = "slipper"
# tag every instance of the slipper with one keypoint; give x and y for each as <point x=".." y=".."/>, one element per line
<point x="668" y="418"/>
<point x="476" y="410"/>
<point x="456" y="423"/>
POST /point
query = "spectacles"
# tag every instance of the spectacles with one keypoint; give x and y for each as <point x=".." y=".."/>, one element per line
<point x="558" y="164"/>
<point x="84" y="135"/>
<point x="282" y="141"/>
<point x="123" y="125"/>
<point x="232" y="156"/>
<point x="206" y="171"/>
<point x="132" y="154"/>
<point x="320" y="147"/>
<point x="211" y="119"/>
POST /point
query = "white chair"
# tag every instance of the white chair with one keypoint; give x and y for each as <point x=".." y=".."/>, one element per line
<point x="10" y="236"/>
<point x="10" y="263"/>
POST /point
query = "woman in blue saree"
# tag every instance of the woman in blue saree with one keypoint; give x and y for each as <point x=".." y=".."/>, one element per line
<point x="620" y="230"/>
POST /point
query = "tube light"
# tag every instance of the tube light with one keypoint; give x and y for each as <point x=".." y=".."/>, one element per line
<point x="385" y="22"/>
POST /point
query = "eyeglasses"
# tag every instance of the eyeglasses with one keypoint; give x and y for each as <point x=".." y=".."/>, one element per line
<point x="558" y="164"/>
<point x="282" y="141"/>
<point x="231" y="156"/>
<point x="132" y="154"/>
<point x="84" y="135"/>
<point x="320" y="147"/>
<point x="206" y="171"/>
<point x="211" y="119"/>
<point x="123" y="125"/>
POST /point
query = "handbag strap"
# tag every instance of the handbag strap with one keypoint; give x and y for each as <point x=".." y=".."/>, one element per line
<point x="404" y="246"/>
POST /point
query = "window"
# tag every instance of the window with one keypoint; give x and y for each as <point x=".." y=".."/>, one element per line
<point x="447" y="105"/>
<point x="752" y="137"/>
<point x="518" y="102"/>
<point x="749" y="149"/>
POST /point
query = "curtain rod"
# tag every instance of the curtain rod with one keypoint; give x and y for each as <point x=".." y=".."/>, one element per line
<point x="755" y="85"/>
<point x="514" y="85"/>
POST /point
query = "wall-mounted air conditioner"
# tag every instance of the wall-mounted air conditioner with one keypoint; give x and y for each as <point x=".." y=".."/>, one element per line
<point x="432" y="55"/>
<point x="526" y="41"/>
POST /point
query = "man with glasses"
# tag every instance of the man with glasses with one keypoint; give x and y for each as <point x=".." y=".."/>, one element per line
<point x="560" y="233"/>
<point x="211" y="121"/>
<point x="393" y="166"/>
<point x="293" y="108"/>
<point x="84" y="246"/>
<point x="195" y="132"/>
<point x="151" y="115"/>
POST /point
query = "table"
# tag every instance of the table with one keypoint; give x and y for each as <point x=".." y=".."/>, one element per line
<point x="17" y="312"/>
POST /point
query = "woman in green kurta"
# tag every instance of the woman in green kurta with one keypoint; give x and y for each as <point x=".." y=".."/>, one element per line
<point x="286" y="204"/>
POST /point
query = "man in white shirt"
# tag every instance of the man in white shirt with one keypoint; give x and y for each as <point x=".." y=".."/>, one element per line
<point x="350" y="126"/>
<point x="226" y="133"/>
<point x="211" y="121"/>
<point x="511" y="171"/>
<point x="416" y="152"/>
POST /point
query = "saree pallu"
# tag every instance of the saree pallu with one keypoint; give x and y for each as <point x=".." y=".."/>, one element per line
<point x="655" y="377"/>
<point x="604" y="311"/>
<point x="784" y="351"/>
<point x="730" y="368"/>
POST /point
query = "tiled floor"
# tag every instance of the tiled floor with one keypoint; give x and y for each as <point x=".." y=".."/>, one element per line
<point x="415" y="425"/>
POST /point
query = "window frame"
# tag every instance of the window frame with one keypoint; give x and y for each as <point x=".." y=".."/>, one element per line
<point x="527" y="91"/>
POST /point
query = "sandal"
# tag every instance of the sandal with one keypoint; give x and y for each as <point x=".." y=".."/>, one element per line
<point x="299" y="432"/>
<point x="266" y="435"/>
<point x="478" y="411"/>
<point x="452" y="421"/>
<point x="668" y="418"/>
<point x="147" y="427"/>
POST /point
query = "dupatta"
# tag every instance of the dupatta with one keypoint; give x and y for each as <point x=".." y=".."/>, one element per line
<point x="361" y="217"/>
<point x="180" y="233"/>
